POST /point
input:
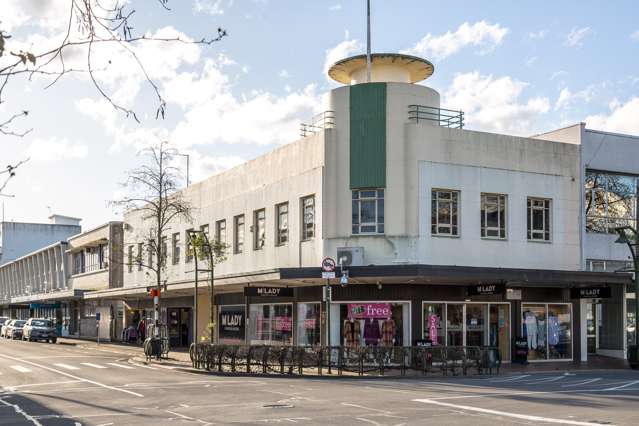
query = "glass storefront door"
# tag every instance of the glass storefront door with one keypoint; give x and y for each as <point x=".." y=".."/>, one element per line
<point x="476" y="325"/>
<point x="591" y="327"/>
<point x="499" y="329"/>
<point x="455" y="324"/>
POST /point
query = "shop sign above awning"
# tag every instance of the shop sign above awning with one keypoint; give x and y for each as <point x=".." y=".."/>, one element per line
<point x="486" y="289"/>
<point x="591" y="293"/>
<point x="369" y="310"/>
<point x="268" y="291"/>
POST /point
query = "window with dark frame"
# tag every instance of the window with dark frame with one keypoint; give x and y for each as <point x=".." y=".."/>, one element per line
<point x="368" y="211"/>
<point x="188" y="256"/>
<point x="164" y="250"/>
<point x="539" y="219"/>
<point x="175" y="243"/>
<point x="445" y="212"/>
<point x="493" y="216"/>
<point x="610" y="201"/>
<point x="238" y="230"/>
<point x="220" y="231"/>
<point x="139" y="256"/>
<point x="259" y="229"/>
<point x="281" y="215"/>
<point x="308" y="217"/>
<point x="130" y="259"/>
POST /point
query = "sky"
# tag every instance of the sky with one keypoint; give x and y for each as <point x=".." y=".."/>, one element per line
<point x="513" y="67"/>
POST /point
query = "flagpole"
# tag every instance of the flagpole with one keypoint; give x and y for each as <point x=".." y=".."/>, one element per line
<point x="368" y="40"/>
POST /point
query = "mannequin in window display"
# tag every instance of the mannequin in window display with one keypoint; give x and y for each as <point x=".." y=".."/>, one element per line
<point x="531" y="329"/>
<point x="352" y="334"/>
<point x="372" y="332"/>
<point x="388" y="332"/>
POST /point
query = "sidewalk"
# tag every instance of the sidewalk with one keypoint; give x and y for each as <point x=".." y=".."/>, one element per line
<point x="179" y="359"/>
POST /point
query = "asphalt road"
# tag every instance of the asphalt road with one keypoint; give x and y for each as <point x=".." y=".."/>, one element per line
<point x="43" y="384"/>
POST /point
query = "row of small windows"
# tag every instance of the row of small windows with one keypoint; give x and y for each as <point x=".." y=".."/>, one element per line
<point x="307" y="207"/>
<point x="368" y="214"/>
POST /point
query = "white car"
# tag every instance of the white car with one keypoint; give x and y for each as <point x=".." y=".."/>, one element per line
<point x="4" y="322"/>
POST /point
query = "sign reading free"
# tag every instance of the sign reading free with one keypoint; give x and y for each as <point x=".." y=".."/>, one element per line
<point x="369" y="310"/>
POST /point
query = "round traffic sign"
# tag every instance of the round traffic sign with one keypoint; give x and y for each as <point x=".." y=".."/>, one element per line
<point x="328" y="264"/>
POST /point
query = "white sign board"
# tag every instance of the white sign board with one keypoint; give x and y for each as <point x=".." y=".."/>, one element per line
<point x="328" y="275"/>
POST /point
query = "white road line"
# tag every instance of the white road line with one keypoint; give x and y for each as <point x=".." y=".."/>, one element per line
<point x="623" y="386"/>
<point x="44" y="384"/>
<point x="21" y="369"/>
<point x="510" y="379"/>
<point x="143" y="366"/>
<point x="120" y="365"/>
<point x="507" y="414"/>
<point x="88" y="364"/>
<point x="66" y="366"/>
<point x="581" y="383"/>
<point x="548" y="380"/>
<point x="102" y="385"/>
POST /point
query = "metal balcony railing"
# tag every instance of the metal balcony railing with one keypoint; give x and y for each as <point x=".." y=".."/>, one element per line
<point x="321" y="121"/>
<point x="443" y="117"/>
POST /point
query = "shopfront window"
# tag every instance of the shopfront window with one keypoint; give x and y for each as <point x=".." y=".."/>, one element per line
<point x="308" y="324"/>
<point x="468" y="324"/>
<point x="373" y="324"/>
<point x="434" y="323"/>
<point x="547" y="329"/>
<point x="271" y="324"/>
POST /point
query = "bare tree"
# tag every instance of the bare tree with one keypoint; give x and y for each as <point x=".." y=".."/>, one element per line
<point x="213" y="252"/>
<point x="89" y="25"/>
<point x="154" y="194"/>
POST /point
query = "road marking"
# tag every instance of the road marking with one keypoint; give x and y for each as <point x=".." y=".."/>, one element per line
<point x="547" y="380"/>
<point x="102" y="385"/>
<point x="510" y="379"/>
<point x="126" y="367"/>
<point x="20" y="369"/>
<point x="581" y="383"/>
<point x="20" y="411"/>
<point x="44" y="384"/>
<point x="623" y="386"/>
<point x="88" y="364"/>
<point x="507" y="414"/>
<point x="66" y="366"/>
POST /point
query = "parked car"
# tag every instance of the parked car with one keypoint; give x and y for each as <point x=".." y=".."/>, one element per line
<point x="4" y="322"/>
<point x="39" y="329"/>
<point x="14" y="329"/>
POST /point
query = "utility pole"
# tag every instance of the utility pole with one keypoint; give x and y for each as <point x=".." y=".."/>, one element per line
<point x="368" y="41"/>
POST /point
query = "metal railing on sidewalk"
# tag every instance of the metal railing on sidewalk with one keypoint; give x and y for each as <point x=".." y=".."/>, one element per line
<point x="370" y="360"/>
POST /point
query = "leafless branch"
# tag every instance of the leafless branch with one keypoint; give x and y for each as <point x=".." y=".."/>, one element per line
<point x="10" y="172"/>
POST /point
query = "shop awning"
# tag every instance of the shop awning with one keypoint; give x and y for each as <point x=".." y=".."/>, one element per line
<point x="45" y="297"/>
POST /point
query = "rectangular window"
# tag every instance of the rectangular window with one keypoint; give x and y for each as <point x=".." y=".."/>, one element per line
<point x="308" y="324"/>
<point x="539" y="223"/>
<point x="220" y="231"/>
<point x="493" y="216"/>
<point x="281" y="214"/>
<point x="176" y="248"/>
<point x="445" y="212"/>
<point x="152" y="248"/>
<point x="271" y="324"/>
<point x="610" y="201"/>
<point x="188" y="257"/>
<point x="130" y="259"/>
<point x="308" y="218"/>
<point x="138" y="258"/>
<point x="548" y="330"/>
<point x="239" y="233"/>
<point x="205" y="230"/>
<point x="164" y="250"/>
<point x="259" y="229"/>
<point x="368" y="211"/>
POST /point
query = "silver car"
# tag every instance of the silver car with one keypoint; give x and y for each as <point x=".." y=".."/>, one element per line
<point x="14" y="329"/>
<point x="39" y="329"/>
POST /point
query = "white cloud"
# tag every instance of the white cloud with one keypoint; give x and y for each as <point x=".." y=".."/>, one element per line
<point x="558" y="74"/>
<point x="576" y="36"/>
<point x="343" y="50"/>
<point x="493" y="104"/>
<point x="335" y="7"/>
<point x="54" y="149"/>
<point x="48" y="15"/>
<point x="480" y="34"/>
<point x="566" y="97"/>
<point x="212" y="7"/>
<point x="207" y="165"/>
<point x="531" y="61"/>
<point x="622" y="118"/>
<point x="537" y="35"/>
<point x="635" y="35"/>
<point x="284" y="74"/>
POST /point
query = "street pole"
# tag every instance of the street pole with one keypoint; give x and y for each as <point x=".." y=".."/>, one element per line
<point x="195" y="340"/>
<point x="328" y="322"/>
<point x="368" y="41"/>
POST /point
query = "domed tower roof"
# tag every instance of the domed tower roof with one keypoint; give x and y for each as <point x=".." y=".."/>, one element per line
<point x="385" y="67"/>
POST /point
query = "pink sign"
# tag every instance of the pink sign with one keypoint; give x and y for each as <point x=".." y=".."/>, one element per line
<point x="433" y="321"/>
<point x="283" y="323"/>
<point x="369" y="310"/>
